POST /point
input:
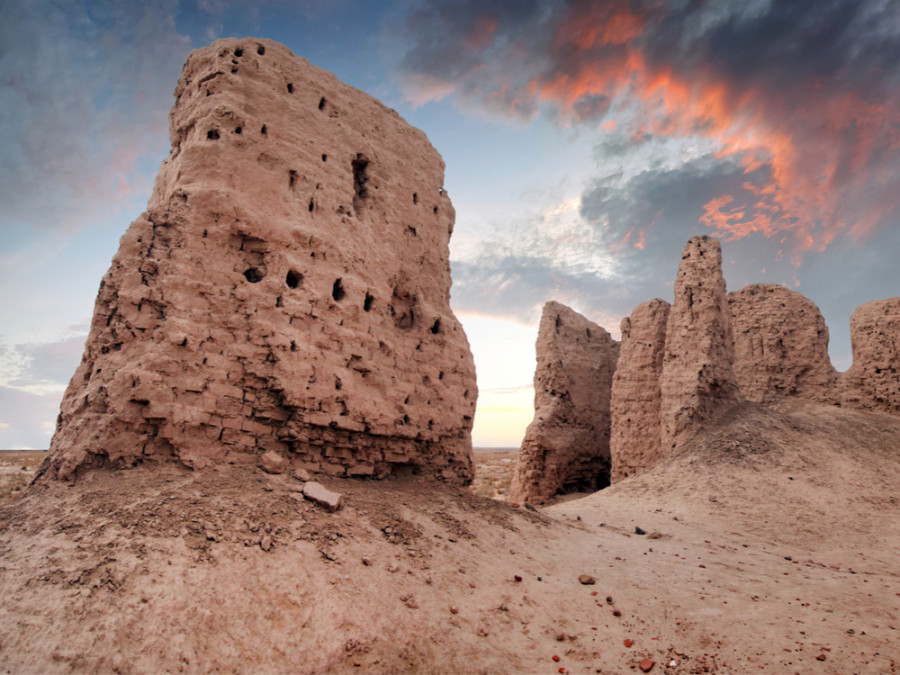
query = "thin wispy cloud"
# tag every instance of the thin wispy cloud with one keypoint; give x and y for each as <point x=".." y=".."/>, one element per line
<point x="85" y="88"/>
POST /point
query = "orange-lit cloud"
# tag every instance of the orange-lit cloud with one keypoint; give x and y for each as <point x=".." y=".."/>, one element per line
<point x="758" y="128"/>
<point x="812" y="121"/>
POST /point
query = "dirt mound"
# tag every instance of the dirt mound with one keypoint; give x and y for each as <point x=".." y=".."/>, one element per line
<point x="771" y="541"/>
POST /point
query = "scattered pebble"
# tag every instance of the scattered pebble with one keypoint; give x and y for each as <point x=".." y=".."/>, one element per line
<point x="587" y="580"/>
<point x="647" y="665"/>
<point x="638" y="530"/>
<point x="628" y="643"/>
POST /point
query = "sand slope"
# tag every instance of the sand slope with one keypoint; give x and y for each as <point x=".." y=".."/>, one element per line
<point x="772" y="543"/>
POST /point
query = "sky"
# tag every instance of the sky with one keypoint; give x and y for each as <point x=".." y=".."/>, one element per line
<point x="585" y="142"/>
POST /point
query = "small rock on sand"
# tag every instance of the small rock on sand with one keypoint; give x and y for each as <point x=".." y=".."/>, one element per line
<point x="647" y="665"/>
<point x="321" y="495"/>
<point x="272" y="462"/>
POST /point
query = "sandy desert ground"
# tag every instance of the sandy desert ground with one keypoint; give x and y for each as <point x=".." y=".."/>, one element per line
<point x="771" y="544"/>
<point x="493" y="472"/>
<point x="17" y="468"/>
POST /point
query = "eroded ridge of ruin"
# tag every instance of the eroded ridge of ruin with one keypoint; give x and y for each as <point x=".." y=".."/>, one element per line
<point x="566" y="447"/>
<point x="635" y="440"/>
<point x="780" y="346"/>
<point x="287" y="289"/>
<point x="873" y="381"/>
<point x="682" y="365"/>
<point x="697" y="379"/>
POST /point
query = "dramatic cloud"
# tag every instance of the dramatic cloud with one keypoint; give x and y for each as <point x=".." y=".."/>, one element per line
<point x="803" y="99"/>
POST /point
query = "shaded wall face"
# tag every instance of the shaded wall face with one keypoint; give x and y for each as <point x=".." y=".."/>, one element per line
<point x="287" y="289"/>
<point x="780" y="345"/>
<point x="697" y="378"/>
<point x="873" y="381"/>
<point x="635" y="440"/>
<point x="566" y="447"/>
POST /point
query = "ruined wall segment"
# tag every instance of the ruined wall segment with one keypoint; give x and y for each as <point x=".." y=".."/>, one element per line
<point x="780" y="346"/>
<point x="635" y="406"/>
<point x="287" y="289"/>
<point x="566" y="447"/>
<point x="697" y="379"/>
<point x="873" y="381"/>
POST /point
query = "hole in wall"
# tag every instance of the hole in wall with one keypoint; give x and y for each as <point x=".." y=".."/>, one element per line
<point x="434" y="210"/>
<point x="337" y="290"/>
<point x="238" y="130"/>
<point x="239" y="52"/>
<point x="436" y="326"/>
<point x="254" y="275"/>
<point x="292" y="178"/>
<point x="312" y="205"/>
<point x="415" y="197"/>
<point x="338" y="385"/>
<point x="412" y="230"/>
<point x="441" y="375"/>
<point x="293" y="346"/>
<point x="324" y="158"/>
<point x="290" y="87"/>
<point x="264" y="130"/>
<point x="260" y="50"/>
<point x="367" y="303"/>
<point x="278" y="301"/>
<point x="360" y="167"/>
<point x="293" y="279"/>
<point x="322" y="103"/>
<point x="234" y="69"/>
<point x="212" y="135"/>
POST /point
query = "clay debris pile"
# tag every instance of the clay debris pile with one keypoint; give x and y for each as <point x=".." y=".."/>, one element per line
<point x="286" y="291"/>
<point x="566" y="447"/>
<point x="683" y="364"/>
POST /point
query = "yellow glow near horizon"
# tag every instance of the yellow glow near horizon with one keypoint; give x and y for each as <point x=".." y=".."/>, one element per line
<point x="504" y="362"/>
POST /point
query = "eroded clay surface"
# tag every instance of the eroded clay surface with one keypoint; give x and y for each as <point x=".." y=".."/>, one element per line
<point x="566" y="447"/>
<point x="287" y="289"/>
